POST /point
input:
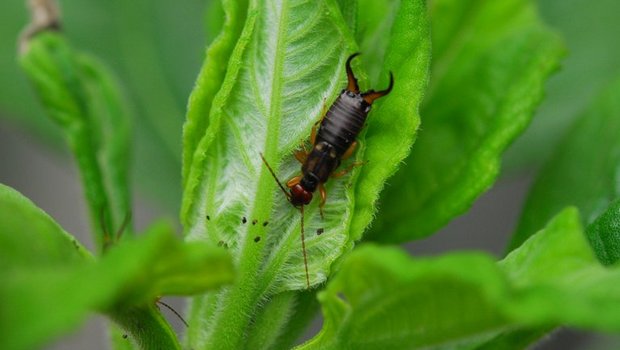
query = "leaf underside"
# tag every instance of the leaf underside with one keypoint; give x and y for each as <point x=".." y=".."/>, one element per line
<point x="287" y="64"/>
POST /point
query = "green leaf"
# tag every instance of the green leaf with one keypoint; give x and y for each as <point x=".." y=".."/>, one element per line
<point x="50" y="283"/>
<point x="491" y="60"/>
<point x="591" y="65"/>
<point x="79" y="95"/>
<point x="306" y="310"/>
<point x="373" y="26"/>
<point x="214" y="19"/>
<point x="210" y="79"/>
<point x="514" y="339"/>
<point x="149" y="329"/>
<point x="392" y="127"/>
<point x="604" y="234"/>
<point x="583" y="171"/>
<point x="30" y="238"/>
<point x="382" y="298"/>
<point x="287" y="61"/>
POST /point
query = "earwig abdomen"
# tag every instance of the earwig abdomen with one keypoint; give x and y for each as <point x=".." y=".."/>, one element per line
<point x="338" y="130"/>
<point x="343" y="121"/>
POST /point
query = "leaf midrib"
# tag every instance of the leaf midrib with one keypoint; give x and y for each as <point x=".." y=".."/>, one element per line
<point x="244" y="295"/>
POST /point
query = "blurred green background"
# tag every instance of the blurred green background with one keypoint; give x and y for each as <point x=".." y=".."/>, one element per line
<point x="155" y="48"/>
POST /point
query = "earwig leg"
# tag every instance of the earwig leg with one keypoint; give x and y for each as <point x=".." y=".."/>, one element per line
<point x="346" y="170"/>
<point x="301" y="154"/>
<point x="323" y="199"/>
<point x="349" y="151"/>
<point x="294" y="181"/>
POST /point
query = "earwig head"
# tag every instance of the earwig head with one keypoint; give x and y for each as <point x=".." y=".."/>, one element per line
<point x="370" y="96"/>
<point x="300" y="196"/>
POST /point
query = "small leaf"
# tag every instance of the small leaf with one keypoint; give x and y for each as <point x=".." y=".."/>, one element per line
<point x="79" y="96"/>
<point x="166" y="266"/>
<point x="50" y="283"/>
<point x="30" y="238"/>
<point x="36" y="257"/>
<point x="604" y="234"/>
<point x="583" y="172"/>
<point x="382" y="298"/>
<point x="490" y="63"/>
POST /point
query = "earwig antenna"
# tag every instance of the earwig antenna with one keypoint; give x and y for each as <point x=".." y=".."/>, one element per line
<point x="303" y="247"/>
<point x="303" y="238"/>
<point x="288" y="196"/>
<point x="174" y="311"/>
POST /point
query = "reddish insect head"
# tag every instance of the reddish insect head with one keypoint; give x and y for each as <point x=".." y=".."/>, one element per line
<point x="299" y="196"/>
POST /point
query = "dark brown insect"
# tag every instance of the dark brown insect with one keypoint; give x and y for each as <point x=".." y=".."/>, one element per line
<point x="333" y="143"/>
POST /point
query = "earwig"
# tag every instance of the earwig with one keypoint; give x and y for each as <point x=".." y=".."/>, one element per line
<point x="333" y="143"/>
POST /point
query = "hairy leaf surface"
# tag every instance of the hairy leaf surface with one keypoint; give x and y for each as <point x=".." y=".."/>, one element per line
<point x="490" y="62"/>
<point x="210" y="79"/>
<point x="464" y="300"/>
<point x="288" y="63"/>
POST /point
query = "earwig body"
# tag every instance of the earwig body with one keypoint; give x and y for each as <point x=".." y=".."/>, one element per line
<point x="338" y="130"/>
<point x="335" y="139"/>
<point x="334" y="142"/>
